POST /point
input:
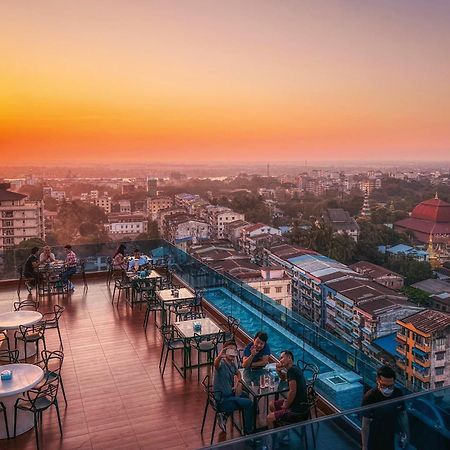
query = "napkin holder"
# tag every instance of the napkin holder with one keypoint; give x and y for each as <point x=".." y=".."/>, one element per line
<point x="6" y="375"/>
<point x="197" y="326"/>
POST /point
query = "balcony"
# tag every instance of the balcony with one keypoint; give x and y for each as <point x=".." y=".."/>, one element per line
<point x="426" y="348"/>
<point x="422" y="362"/>
<point x="401" y="338"/>
<point x="424" y="377"/>
<point x="401" y="350"/>
<point x="401" y="364"/>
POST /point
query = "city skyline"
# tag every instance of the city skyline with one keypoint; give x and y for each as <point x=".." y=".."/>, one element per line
<point x="244" y="82"/>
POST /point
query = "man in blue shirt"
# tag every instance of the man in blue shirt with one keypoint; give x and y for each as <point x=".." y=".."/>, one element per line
<point x="257" y="353"/>
<point x="228" y="389"/>
<point x="137" y="261"/>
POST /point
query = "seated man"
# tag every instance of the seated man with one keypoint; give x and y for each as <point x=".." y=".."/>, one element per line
<point x="70" y="267"/>
<point x="257" y="353"/>
<point x="46" y="256"/>
<point x="137" y="261"/>
<point x="229" y="389"/>
<point x="294" y="408"/>
<point x="29" y="269"/>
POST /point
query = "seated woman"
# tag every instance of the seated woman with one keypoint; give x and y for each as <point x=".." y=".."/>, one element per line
<point x="118" y="261"/>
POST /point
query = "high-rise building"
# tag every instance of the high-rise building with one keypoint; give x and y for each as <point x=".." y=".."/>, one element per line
<point x="20" y="219"/>
<point x="152" y="185"/>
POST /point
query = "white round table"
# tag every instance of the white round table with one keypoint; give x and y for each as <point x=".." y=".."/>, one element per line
<point x="11" y="321"/>
<point x="24" y="378"/>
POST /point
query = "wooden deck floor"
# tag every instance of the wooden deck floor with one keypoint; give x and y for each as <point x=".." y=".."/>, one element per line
<point x="117" y="398"/>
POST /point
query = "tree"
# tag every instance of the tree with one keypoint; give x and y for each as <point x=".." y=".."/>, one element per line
<point x="32" y="242"/>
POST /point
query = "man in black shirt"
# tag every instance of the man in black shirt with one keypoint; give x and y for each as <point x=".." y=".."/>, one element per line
<point x="380" y="425"/>
<point x="294" y="408"/>
<point x="29" y="269"/>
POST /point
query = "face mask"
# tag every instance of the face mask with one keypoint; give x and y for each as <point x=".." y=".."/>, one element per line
<point x="387" y="392"/>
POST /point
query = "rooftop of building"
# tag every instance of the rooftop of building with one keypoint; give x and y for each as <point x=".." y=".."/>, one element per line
<point x="432" y="286"/>
<point x="428" y="321"/>
<point x="373" y="270"/>
<point x="287" y="251"/>
<point x="9" y="196"/>
<point x="318" y="265"/>
<point x="340" y="218"/>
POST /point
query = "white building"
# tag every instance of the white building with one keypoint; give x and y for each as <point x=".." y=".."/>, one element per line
<point x="126" y="224"/>
<point x="20" y="219"/>
<point x="124" y="206"/>
<point x="104" y="202"/>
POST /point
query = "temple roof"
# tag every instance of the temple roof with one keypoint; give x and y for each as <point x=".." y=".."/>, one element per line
<point x="434" y="210"/>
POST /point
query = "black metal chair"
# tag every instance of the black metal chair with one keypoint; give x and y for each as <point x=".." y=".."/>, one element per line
<point x="9" y="356"/>
<point x="205" y="344"/>
<point x="171" y="341"/>
<point x="230" y="326"/>
<point x="152" y="306"/>
<point x="26" y="305"/>
<point x="198" y="302"/>
<point x="4" y="338"/>
<point x="36" y="401"/>
<point x="51" y="364"/>
<point x="5" y="418"/>
<point x="121" y="284"/>
<point x="31" y="334"/>
<point x="24" y="281"/>
<point x="82" y="263"/>
<point x="109" y="270"/>
<point x="52" y="321"/>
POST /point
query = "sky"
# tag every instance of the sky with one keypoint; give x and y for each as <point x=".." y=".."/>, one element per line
<point x="139" y="80"/>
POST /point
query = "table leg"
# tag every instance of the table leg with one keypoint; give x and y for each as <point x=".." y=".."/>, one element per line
<point x="31" y="347"/>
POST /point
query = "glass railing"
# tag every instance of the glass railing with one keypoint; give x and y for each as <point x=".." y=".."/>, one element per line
<point x="344" y="370"/>
<point x="419" y="421"/>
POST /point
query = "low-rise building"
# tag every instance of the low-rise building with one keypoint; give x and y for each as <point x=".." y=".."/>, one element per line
<point x="379" y="274"/>
<point x="218" y="217"/>
<point x="104" y="202"/>
<point x="124" y="206"/>
<point x="424" y="349"/>
<point x="341" y="222"/>
<point x="126" y="224"/>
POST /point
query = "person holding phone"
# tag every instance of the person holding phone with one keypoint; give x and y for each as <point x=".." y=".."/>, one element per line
<point x="228" y="389"/>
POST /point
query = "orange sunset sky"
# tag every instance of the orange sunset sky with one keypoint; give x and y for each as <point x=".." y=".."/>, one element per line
<point x="113" y="81"/>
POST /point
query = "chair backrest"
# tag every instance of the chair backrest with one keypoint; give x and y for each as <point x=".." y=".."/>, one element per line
<point x="11" y="356"/>
<point x="29" y="305"/>
<point x="58" y="310"/>
<point x="214" y="397"/>
<point x="198" y="339"/>
<point x="19" y="269"/>
<point x="48" y="391"/>
<point x="311" y="372"/>
<point x="52" y="360"/>
<point x="37" y="328"/>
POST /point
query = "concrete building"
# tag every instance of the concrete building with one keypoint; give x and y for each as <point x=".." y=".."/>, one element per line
<point x="341" y="222"/>
<point x="157" y="204"/>
<point x="232" y="231"/>
<point x="186" y="229"/>
<point x="360" y="311"/>
<point x="218" y="217"/>
<point x="126" y="224"/>
<point x="104" y="202"/>
<point x="124" y="206"/>
<point x="255" y="236"/>
<point x="379" y="274"/>
<point x="424" y="349"/>
<point x="164" y="216"/>
<point x="152" y="186"/>
<point x="20" y="219"/>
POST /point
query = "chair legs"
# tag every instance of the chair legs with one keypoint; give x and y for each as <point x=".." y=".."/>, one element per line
<point x="63" y="391"/>
<point x="6" y="420"/>
<point x="57" y="413"/>
<point x="59" y="335"/>
<point x="204" y="415"/>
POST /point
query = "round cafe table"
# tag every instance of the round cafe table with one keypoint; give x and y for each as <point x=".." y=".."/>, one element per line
<point x="11" y="321"/>
<point x="24" y="378"/>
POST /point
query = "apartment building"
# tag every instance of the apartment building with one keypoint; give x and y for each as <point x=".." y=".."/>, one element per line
<point x="185" y="199"/>
<point x="424" y="349"/>
<point x="164" y="216"/>
<point x="218" y="217"/>
<point x="341" y="222"/>
<point x="255" y="236"/>
<point x="379" y="274"/>
<point x="185" y="229"/>
<point x="104" y="202"/>
<point x="359" y="311"/>
<point x="232" y="231"/>
<point x="157" y="204"/>
<point x="20" y="219"/>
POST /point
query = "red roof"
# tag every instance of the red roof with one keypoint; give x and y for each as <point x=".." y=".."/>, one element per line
<point x="434" y="210"/>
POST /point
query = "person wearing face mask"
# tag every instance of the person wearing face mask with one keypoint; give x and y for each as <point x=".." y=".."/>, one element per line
<point x="380" y="425"/>
<point x="228" y="389"/>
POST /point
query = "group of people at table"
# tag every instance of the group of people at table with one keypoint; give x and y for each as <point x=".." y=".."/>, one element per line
<point x="228" y="384"/>
<point x="38" y="260"/>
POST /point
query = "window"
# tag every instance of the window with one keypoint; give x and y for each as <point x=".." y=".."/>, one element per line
<point x="288" y="288"/>
<point x="266" y="290"/>
<point x="440" y="356"/>
<point x="440" y="341"/>
<point x="438" y="384"/>
<point x="439" y="371"/>
<point x="278" y="289"/>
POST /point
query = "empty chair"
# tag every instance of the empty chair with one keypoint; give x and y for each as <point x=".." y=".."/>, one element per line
<point x="171" y="342"/>
<point x="51" y="364"/>
<point x="121" y="283"/>
<point x="26" y="305"/>
<point x="5" y="418"/>
<point x="205" y="344"/>
<point x="152" y="306"/>
<point x="4" y="338"/>
<point x="9" y="356"/>
<point x="36" y="401"/>
<point x="52" y="320"/>
<point x="82" y="263"/>
<point x="230" y="327"/>
<point x="32" y="334"/>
